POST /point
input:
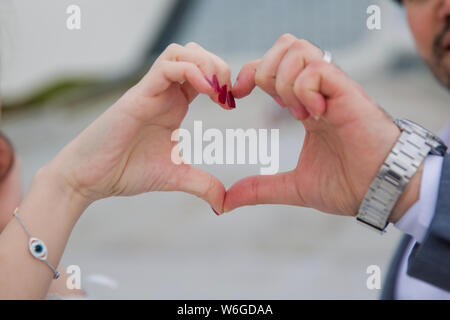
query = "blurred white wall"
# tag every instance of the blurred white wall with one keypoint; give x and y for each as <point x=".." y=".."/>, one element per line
<point x="36" y="45"/>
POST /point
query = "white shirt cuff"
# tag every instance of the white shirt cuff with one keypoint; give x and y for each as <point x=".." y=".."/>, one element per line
<point x="417" y="219"/>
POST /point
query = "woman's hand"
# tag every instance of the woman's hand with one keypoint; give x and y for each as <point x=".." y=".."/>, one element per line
<point x="127" y="150"/>
<point x="347" y="135"/>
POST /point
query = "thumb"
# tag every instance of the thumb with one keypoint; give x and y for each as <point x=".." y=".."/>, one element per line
<point x="263" y="189"/>
<point x="200" y="183"/>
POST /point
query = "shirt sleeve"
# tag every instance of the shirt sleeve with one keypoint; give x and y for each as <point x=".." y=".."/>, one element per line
<point x="417" y="219"/>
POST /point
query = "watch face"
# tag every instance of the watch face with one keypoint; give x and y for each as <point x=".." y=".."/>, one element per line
<point x="438" y="146"/>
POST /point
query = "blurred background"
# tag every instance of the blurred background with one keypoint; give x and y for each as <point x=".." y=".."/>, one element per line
<point x="55" y="81"/>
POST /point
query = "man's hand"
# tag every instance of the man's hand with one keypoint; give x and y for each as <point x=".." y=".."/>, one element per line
<point x="347" y="138"/>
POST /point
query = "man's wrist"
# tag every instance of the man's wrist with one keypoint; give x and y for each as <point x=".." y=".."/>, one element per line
<point x="409" y="196"/>
<point x="417" y="219"/>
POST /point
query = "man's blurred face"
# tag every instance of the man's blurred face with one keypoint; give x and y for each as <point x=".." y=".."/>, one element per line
<point x="429" y="21"/>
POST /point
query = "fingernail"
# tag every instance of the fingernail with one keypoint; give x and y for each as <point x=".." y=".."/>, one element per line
<point x="230" y="100"/>
<point x="209" y="81"/>
<point x="215" y="84"/>
<point x="223" y="95"/>
<point x="236" y="82"/>
<point x="217" y="214"/>
<point x="316" y="117"/>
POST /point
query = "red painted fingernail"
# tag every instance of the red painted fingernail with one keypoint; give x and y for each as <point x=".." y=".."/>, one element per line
<point x="215" y="84"/>
<point x="217" y="214"/>
<point x="223" y="95"/>
<point x="209" y="81"/>
<point x="230" y="100"/>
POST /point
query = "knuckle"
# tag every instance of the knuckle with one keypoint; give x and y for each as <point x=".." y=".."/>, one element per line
<point x="303" y="43"/>
<point x="249" y="67"/>
<point x="298" y="85"/>
<point x="296" y="47"/>
<point x="173" y="47"/>
<point x="227" y="71"/>
<point x="207" y="64"/>
<point x="301" y="82"/>
<point x="192" y="44"/>
<point x="318" y="66"/>
<point x="190" y="67"/>
<point x="287" y="37"/>
<point x="281" y="86"/>
<point x="299" y="44"/>
<point x="161" y="66"/>
<point x="260" y="79"/>
<point x="306" y="48"/>
<point x="303" y="46"/>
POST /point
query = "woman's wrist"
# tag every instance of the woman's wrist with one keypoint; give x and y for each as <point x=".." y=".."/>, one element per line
<point x="52" y="180"/>
<point x="49" y="210"/>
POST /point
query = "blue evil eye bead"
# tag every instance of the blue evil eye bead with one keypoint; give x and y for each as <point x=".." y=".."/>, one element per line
<point x="37" y="248"/>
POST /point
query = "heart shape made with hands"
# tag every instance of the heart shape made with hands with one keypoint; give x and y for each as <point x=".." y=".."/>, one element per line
<point x="343" y="128"/>
<point x="347" y="135"/>
<point x="127" y="150"/>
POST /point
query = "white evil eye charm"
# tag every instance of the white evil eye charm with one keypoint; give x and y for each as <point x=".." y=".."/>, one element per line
<point x="37" y="248"/>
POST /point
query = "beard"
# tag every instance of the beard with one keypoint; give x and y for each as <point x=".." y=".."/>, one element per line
<point x="440" y="64"/>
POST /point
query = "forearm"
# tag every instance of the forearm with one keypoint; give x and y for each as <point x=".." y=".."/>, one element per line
<point x="49" y="210"/>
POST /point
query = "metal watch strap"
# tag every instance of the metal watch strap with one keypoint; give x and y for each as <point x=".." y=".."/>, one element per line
<point x="397" y="170"/>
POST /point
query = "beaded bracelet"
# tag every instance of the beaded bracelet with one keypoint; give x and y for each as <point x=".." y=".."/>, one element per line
<point x="36" y="246"/>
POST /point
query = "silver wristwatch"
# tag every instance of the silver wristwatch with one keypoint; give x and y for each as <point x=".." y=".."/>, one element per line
<point x="411" y="149"/>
